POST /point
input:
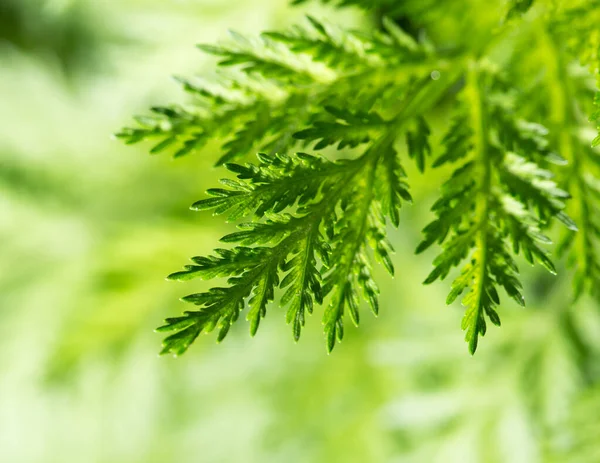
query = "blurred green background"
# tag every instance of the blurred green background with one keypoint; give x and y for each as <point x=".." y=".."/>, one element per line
<point x="89" y="229"/>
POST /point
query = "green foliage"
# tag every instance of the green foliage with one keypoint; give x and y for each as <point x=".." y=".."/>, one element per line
<point x="280" y="84"/>
<point x="64" y="35"/>
<point x="335" y="217"/>
<point x="572" y="32"/>
<point x="313" y="226"/>
<point x="496" y="200"/>
<point x="576" y="439"/>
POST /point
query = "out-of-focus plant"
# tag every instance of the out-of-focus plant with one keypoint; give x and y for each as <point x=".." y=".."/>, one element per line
<point x="63" y="33"/>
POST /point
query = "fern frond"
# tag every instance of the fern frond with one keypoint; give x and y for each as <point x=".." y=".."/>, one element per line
<point x="361" y="223"/>
<point x="325" y="198"/>
<point x="325" y="44"/>
<point x="278" y="182"/>
<point x="316" y="211"/>
<point x="496" y="200"/>
<point x="280" y="82"/>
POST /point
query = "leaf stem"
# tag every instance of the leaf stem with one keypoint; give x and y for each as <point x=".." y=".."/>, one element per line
<point x="478" y="120"/>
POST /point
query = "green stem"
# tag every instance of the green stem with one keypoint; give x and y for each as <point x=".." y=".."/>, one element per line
<point x="478" y="121"/>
